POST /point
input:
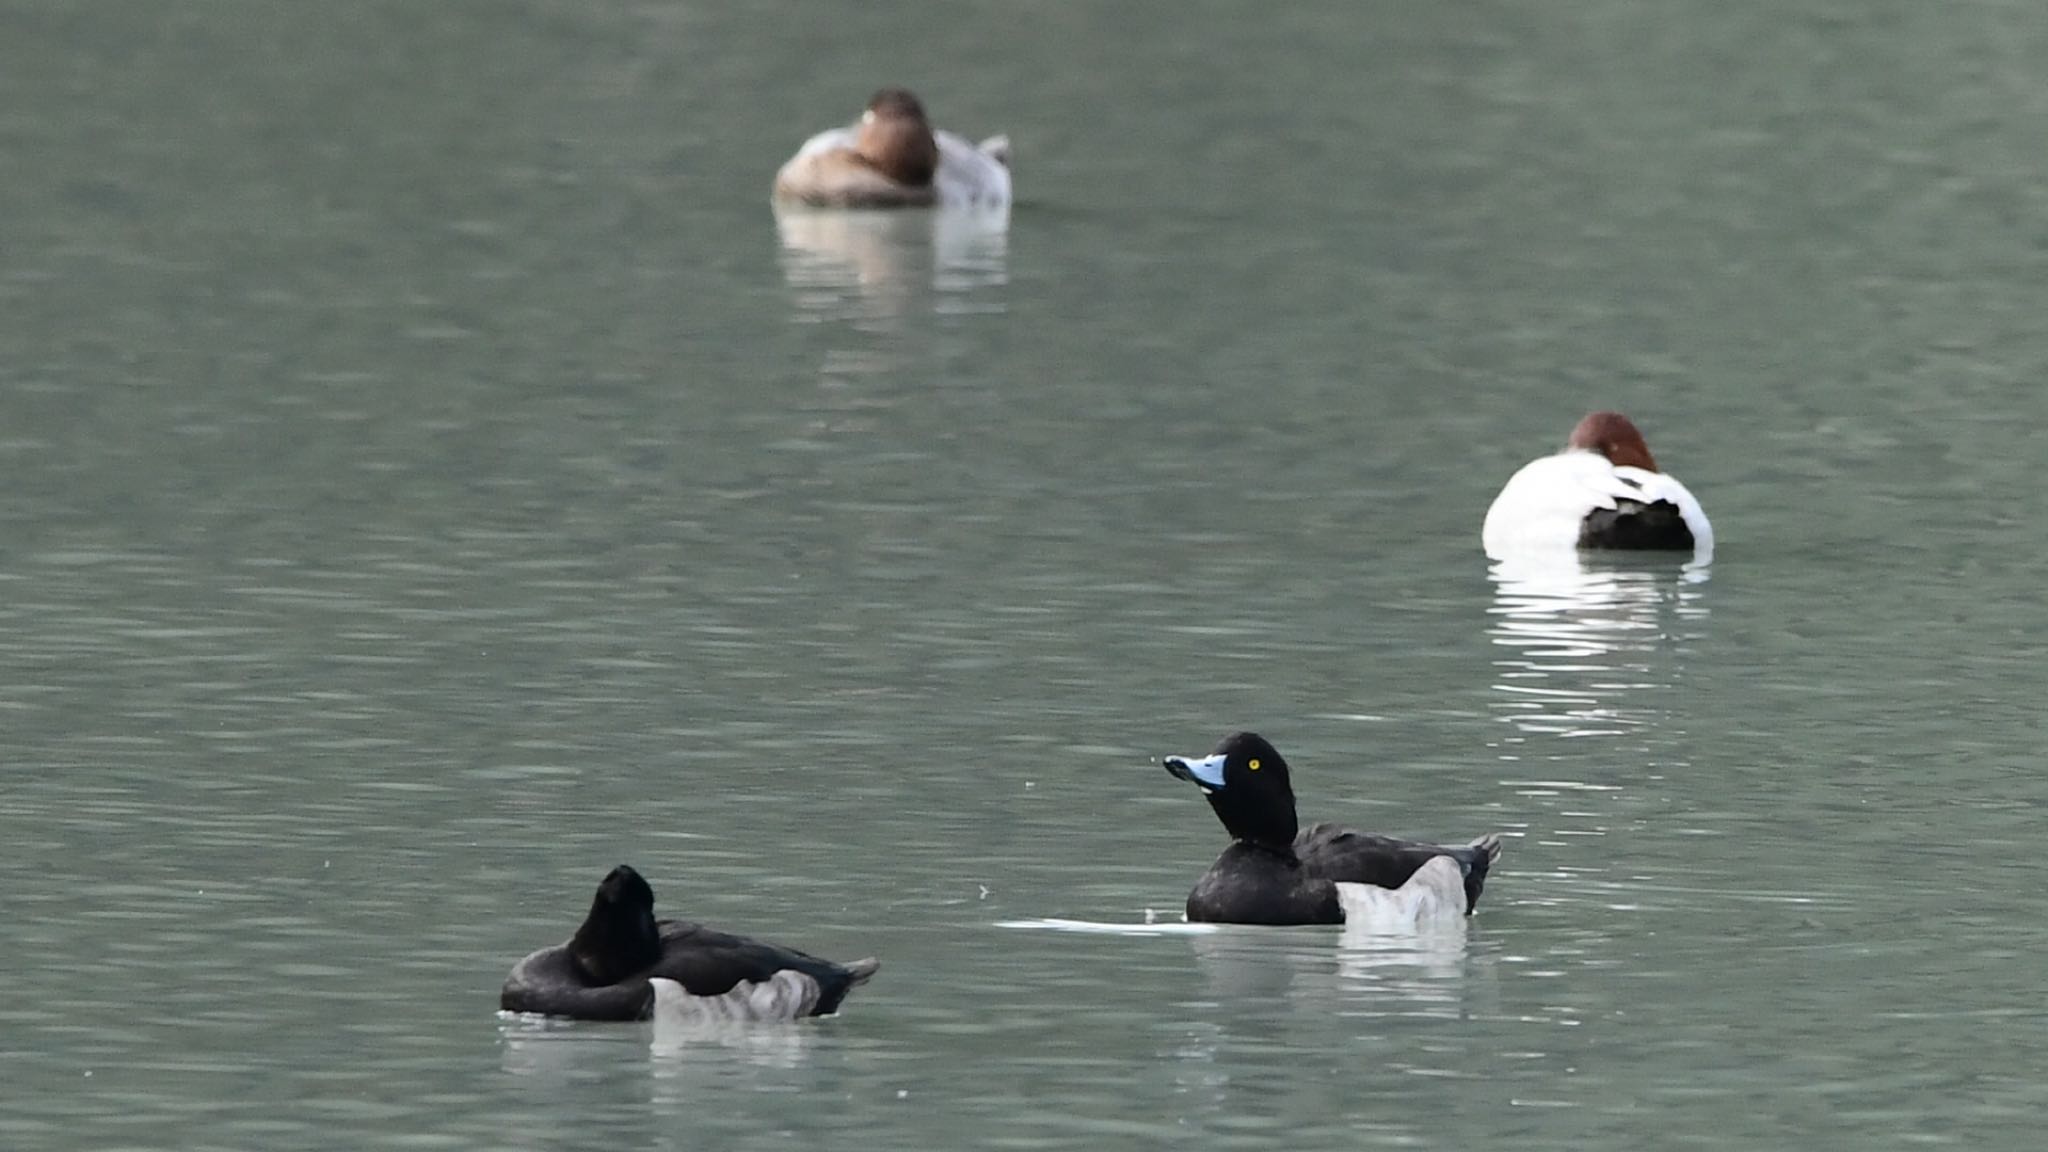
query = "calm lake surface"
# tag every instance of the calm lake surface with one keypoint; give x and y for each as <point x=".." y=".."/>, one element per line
<point x="433" y="477"/>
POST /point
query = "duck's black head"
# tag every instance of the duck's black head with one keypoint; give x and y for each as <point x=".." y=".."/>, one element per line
<point x="618" y="939"/>
<point x="1246" y="783"/>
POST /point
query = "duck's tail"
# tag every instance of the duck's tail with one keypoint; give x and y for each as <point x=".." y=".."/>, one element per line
<point x="1476" y="858"/>
<point x="843" y="978"/>
<point x="998" y="149"/>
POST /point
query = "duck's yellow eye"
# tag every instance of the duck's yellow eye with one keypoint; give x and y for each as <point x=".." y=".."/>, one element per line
<point x="1254" y="765"/>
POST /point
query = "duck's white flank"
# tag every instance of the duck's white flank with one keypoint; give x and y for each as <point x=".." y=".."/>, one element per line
<point x="1433" y="896"/>
<point x="787" y="995"/>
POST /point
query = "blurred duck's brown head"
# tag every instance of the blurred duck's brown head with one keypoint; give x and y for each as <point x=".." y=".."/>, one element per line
<point x="896" y="140"/>
<point x="1614" y="436"/>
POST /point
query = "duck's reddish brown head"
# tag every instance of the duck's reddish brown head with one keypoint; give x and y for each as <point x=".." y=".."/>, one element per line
<point x="896" y="140"/>
<point x="1614" y="436"/>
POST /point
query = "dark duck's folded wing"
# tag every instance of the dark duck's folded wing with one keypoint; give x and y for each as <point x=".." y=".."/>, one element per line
<point x="707" y="962"/>
<point x="1333" y="852"/>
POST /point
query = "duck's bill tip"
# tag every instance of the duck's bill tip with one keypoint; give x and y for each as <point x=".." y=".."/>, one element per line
<point x="1207" y="771"/>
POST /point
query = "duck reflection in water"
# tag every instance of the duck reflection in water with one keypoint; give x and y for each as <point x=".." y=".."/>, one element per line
<point x="870" y="268"/>
<point x="684" y="1029"/>
<point x="1585" y="644"/>
<point x="1371" y="967"/>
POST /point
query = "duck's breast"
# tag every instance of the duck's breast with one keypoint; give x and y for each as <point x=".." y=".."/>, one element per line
<point x="548" y="984"/>
<point x="1249" y="886"/>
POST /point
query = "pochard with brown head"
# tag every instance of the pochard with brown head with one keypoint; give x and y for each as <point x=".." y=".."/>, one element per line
<point x="1602" y="492"/>
<point x="896" y="140"/>
<point x="894" y="158"/>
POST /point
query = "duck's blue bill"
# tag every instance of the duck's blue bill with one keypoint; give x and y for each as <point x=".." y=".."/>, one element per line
<point x="1207" y="772"/>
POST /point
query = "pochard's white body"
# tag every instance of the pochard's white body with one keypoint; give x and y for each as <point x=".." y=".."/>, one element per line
<point x="969" y="175"/>
<point x="1546" y="502"/>
<point x="1603" y="491"/>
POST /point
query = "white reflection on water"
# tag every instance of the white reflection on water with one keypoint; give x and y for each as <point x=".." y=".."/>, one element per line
<point x="781" y="1044"/>
<point x="1175" y="927"/>
<point x="654" y="1076"/>
<point x="561" y="1050"/>
<point x="875" y="266"/>
<point x="1356" y="970"/>
<point x="1587" y="643"/>
<point x="1420" y="964"/>
<point x="1271" y="996"/>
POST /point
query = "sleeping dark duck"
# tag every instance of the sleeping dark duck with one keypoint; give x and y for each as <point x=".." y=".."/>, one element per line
<point x="621" y="956"/>
<point x="1276" y="873"/>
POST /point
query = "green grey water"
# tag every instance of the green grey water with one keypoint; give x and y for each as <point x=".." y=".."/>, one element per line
<point x="432" y="478"/>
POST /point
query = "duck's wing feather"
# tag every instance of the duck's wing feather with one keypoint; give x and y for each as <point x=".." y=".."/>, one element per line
<point x="1333" y="852"/>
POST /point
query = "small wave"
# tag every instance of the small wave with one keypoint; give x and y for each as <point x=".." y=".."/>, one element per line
<point x="1163" y="928"/>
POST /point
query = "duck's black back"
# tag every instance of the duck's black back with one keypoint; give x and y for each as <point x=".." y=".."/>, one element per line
<point x="707" y="962"/>
<point x="1334" y="852"/>
<point x="1250" y="885"/>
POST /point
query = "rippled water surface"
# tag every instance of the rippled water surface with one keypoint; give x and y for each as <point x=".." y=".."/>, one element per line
<point x="434" y="475"/>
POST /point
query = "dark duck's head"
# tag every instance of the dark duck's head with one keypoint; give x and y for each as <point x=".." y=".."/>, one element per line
<point x="1246" y="783"/>
<point x="619" y="938"/>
